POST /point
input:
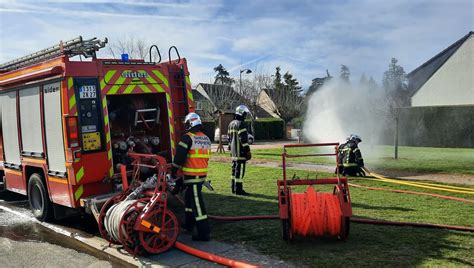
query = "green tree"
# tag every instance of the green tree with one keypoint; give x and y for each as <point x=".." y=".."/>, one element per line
<point x="345" y="73"/>
<point x="222" y="77"/>
<point x="318" y="83"/>
<point x="291" y="83"/>
<point x="395" y="77"/>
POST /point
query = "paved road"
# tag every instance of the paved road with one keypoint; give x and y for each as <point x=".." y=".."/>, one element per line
<point x="25" y="243"/>
<point x="75" y="243"/>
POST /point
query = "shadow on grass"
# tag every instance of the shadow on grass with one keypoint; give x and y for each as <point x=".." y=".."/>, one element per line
<point x="368" y="245"/>
<point x="365" y="206"/>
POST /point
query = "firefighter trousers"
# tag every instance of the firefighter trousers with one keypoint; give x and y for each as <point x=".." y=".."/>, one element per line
<point x="238" y="173"/>
<point x="195" y="210"/>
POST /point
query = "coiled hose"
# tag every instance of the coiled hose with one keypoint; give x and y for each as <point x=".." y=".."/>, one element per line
<point x="315" y="214"/>
<point x="113" y="217"/>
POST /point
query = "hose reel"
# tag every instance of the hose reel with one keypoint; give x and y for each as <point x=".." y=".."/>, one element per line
<point x="138" y="218"/>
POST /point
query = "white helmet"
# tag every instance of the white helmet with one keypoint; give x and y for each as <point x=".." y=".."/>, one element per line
<point x="242" y="110"/>
<point x="355" y="138"/>
<point x="192" y="120"/>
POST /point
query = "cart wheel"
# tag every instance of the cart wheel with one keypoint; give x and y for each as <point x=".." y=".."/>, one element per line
<point x="128" y="236"/>
<point x="101" y="219"/>
<point x="285" y="224"/>
<point x="160" y="242"/>
<point x="345" y="227"/>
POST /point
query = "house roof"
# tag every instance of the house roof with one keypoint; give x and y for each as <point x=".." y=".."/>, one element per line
<point x="418" y="77"/>
<point x="207" y="90"/>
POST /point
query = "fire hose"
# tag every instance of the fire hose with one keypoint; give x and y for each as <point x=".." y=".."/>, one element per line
<point x="300" y="218"/>
<point x="432" y="186"/>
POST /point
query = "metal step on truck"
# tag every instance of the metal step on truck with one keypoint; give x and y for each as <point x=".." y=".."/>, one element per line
<point x="68" y="121"/>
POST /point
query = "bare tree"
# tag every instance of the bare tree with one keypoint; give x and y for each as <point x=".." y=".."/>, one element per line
<point x="251" y="88"/>
<point x="223" y="97"/>
<point x="288" y="105"/>
<point x="136" y="48"/>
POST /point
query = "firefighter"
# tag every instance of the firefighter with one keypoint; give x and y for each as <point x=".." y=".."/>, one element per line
<point x="340" y="155"/>
<point x="352" y="161"/>
<point x="192" y="156"/>
<point x="239" y="148"/>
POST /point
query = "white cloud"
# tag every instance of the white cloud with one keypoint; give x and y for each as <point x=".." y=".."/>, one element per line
<point x="305" y="38"/>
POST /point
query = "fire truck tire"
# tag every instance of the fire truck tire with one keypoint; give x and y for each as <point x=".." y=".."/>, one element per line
<point x="38" y="198"/>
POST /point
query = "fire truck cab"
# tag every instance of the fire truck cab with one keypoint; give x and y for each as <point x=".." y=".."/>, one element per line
<point x="66" y="124"/>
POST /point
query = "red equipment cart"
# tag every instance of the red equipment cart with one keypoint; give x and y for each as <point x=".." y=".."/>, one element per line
<point x="312" y="212"/>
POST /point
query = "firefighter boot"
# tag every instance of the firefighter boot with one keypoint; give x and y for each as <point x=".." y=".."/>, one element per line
<point x="232" y="186"/>
<point x="239" y="189"/>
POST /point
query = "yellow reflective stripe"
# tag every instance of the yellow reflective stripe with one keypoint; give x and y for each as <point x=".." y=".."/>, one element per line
<point x="195" y="169"/>
<point x="239" y="180"/>
<point x="79" y="192"/>
<point x="203" y="217"/>
<point x="190" y="95"/>
<point x="154" y="83"/>
<point x="197" y="180"/>
<point x="111" y="171"/>
<point x="168" y="98"/>
<point x="109" y="154"/>
<point x="170" y="114"/>
<point x="117" y="84"/>
<point x="188" y="81"/>
<point x="106" y="79"/>
<point x="198" y="156"/>
<point x="188" y="209"/>
<point x="80" y="174"/>
<point x="104" y="102"/>
<point x="350" y="165"/>
<point x="245" y="144"/>
<point x="183" y="144"/>
<point x="129" y="89"/>
<point x="70" y="82"/>
<point x="196" y="201"/>
<point x="72" y="101"/>
<point x="238" y="158"/>
<point x="242" y="130"/>
<point x="145" y="88"/>
<point x="356" y="149"/>
<point x="162" y="77"/>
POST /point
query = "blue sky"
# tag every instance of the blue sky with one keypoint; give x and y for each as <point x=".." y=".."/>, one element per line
<point x="304" y="37"/>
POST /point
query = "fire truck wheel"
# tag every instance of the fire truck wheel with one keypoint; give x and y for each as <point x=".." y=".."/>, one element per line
<point x="38" y="198"/>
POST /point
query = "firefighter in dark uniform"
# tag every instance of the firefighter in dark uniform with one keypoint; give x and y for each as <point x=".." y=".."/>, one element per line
<point x="192" y="156"/>
<point x="352" y="161"/>
<point x="239" y="148"/>
<point x="340" y="156"/>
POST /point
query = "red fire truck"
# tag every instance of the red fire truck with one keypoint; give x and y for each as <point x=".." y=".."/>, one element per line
<point x="67" y="123"/>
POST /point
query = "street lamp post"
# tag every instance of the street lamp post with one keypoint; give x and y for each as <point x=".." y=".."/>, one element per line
<point x="247" y="71"/>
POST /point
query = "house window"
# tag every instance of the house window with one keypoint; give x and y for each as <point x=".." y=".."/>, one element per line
<point x="198" y="105"/>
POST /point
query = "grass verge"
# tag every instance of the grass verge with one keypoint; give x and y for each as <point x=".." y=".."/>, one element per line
<point x="413" y="159"/>
<point x="367" y="245"/>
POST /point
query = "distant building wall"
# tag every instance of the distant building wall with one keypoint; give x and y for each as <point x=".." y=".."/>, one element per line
<point x="452" y="83"/>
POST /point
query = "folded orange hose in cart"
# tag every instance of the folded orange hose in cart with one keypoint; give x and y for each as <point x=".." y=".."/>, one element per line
<point x="315" y="214"/>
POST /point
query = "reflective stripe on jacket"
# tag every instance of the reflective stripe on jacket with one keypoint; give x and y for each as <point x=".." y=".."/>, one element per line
<point x="198" y="155"/>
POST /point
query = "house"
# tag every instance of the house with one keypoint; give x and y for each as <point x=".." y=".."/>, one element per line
<point x="266" y="103"/>
<point x="210" y="98"/>
<point x="446" y="79"/>
<point x="203" y="105"/>
<point x="442" y="99"/>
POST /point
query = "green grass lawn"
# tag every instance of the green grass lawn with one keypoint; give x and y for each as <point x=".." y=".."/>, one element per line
<point x="413" y="159"/>
<point x="367" y="244"/>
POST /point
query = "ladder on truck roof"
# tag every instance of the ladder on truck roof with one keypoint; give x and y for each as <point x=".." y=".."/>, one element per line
<point x="71" y="48"/>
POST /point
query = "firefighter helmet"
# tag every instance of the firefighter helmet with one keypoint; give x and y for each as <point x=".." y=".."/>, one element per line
<point x="355" y="138"/>
<point x="242" y="110"/>
<point x="191" y="120"/>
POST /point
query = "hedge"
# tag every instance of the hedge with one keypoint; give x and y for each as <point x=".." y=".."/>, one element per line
<point x="209" y="128"/>
<point x="268" y="129"/>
